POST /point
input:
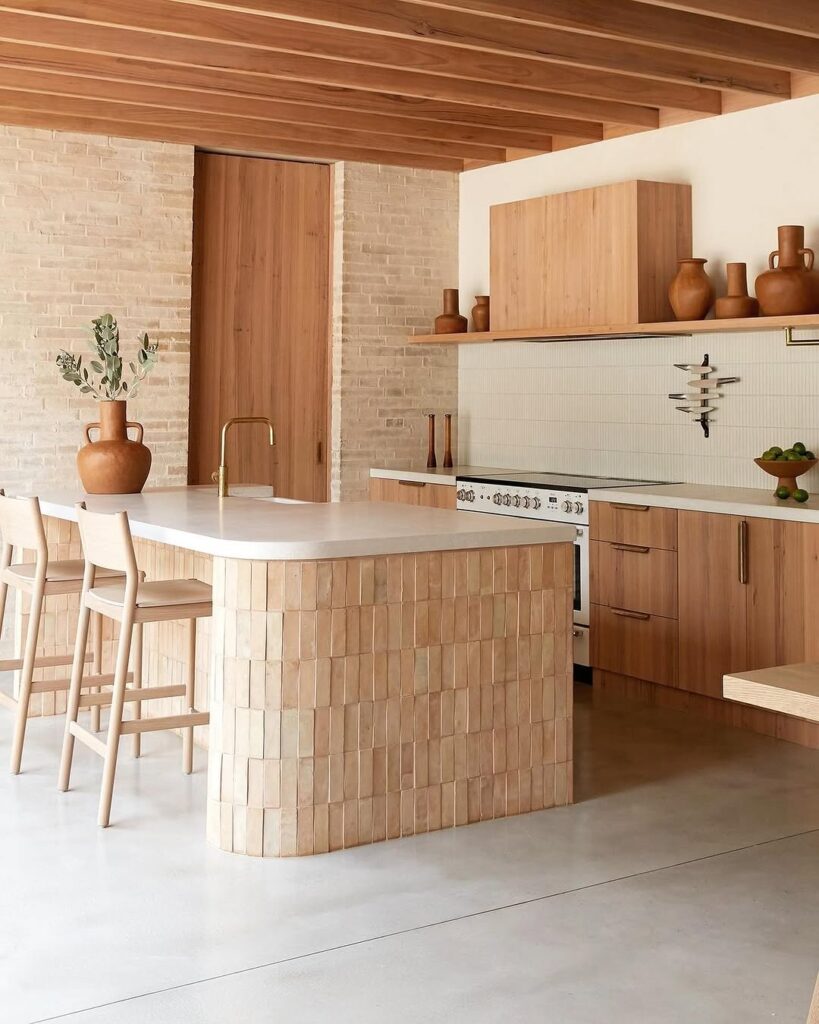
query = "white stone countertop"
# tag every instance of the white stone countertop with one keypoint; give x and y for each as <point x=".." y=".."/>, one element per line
<point x="273" y="529"/>
<point x="439" y="475"/>
<point x="735" y="501"/>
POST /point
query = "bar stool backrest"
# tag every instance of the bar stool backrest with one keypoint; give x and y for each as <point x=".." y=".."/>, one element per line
<point x="21" y="525"/>
<point x="106" y="541"/>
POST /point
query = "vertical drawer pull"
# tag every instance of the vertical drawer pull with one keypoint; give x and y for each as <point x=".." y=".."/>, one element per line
<point x="631" y="508"/>
<point x="643" y="616"/>
<point x="636" y="549"/>
<point x="743" y="552"/>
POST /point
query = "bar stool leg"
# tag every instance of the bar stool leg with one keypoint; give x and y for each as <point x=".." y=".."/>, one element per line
<point x="96" y="643"/>
<point x="115" y="719"/>
<point x="26" y="674"/>
<point x="137" y="684"/>
<point x="190" y="682"/>
<point x="75" y="689"/>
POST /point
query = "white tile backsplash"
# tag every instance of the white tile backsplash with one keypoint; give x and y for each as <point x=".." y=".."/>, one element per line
<point x="601" y="406"/>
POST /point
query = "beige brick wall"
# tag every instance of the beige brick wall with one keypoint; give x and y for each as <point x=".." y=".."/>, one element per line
<point x="90" y="224"/>
<point x="396" y="249"/>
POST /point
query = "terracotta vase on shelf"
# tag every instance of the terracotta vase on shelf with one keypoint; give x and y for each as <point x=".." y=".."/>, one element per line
<point x="113" y="464"/>
<point x="736" y="302"/>
<point x="480" y="313"/>
<point x="691" y="293"/>
<point x="790" y="285"/>
<point x="450" y="321"/>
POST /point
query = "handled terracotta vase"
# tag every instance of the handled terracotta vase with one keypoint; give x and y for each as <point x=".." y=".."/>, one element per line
<point x="790" y="285"/>
<point x="113" y="464"/>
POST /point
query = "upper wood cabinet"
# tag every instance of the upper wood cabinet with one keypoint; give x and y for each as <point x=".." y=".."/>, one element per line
<point x="596" y="256"/>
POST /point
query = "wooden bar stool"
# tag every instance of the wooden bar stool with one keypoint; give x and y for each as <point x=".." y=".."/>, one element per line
<point x="22" y="529"/>
<point x="108" y="545"/>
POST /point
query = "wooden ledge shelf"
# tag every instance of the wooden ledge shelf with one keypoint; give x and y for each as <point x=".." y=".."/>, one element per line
<point x="648" y="330"/>
<point x="789" y="689"/>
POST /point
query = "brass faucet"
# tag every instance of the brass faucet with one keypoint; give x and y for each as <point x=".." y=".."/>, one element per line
<point x="221" y="476"/>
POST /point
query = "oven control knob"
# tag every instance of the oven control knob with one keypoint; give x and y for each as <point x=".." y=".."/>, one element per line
<point x="526" y="502"/>
<point x="496" y="498"/>
<point x="516" y="501"/>
<point x="469" y="495"/>
<point x="461" y="495"/>
<point x="507" y="499"/>
<point x="568" y="506"/>
<point x="578" y="507"/>
<point x="535" y="503"/>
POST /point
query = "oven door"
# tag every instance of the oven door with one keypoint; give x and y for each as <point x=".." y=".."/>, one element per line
<point x="581" y="576"/>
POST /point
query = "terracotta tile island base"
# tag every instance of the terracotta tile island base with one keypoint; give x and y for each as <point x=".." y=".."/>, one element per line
<point x="372" y="671"/>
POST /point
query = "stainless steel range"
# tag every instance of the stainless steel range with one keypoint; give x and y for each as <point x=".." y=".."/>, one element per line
<point x="553" y="498"/>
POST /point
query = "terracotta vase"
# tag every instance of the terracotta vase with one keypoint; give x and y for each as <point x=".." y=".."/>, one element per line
<point x="450" y="321"/>
<point x="691" y="293"/>
<point x="737" y="302"/>
<point x="790" y="285"/>
<point x="480" y="313"/>
<point x="113" y="464"/>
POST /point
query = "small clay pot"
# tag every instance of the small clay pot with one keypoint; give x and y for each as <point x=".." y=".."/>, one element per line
<point x="480" y="313"/>
<point x="691" y="293"/>
<point x="790" y="285"/>
<point x="113" y="464"/>
<point x="450" y="321"/>
<point x="737" y="302"/>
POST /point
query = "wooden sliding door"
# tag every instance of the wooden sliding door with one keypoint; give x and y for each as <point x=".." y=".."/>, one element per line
<point x="260" y="320"/>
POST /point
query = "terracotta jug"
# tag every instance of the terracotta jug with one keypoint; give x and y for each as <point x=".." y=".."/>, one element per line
<point x="691" y="293"/>
<point x="113" y="464"/>
<point x="480" y="313"/>
<point x="450" y="321"/>
<point x="737" y="302"/>
<point x="790" y="285"/>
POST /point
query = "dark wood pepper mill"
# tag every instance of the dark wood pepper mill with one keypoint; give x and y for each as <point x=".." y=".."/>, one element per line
<point x="431" y="461"/>
<point x="448" y="440"/>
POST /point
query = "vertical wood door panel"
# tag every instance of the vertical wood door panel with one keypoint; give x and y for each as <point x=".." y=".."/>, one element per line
<point x="713" y="627"/>
<point x="260" y="320"/>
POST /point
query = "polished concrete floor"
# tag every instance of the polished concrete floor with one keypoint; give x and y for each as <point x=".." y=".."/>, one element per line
<point x="681" y="888"/>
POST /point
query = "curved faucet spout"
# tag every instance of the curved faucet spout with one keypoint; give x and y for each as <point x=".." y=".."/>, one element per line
<point x="221" y="476"/>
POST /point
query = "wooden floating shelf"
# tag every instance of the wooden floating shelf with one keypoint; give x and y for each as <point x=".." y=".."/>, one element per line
<point x="672" y="328"/>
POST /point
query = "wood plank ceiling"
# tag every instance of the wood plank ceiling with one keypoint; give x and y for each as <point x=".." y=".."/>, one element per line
<point x="442" y="84"/>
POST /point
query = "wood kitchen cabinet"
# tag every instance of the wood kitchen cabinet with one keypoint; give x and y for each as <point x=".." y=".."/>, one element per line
<point x="412" y="492"/>
<point x="712" y="599"/>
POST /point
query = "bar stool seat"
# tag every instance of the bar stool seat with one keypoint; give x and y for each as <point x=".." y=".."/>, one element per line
<point x="23" y="574"/>
<point x="171" y="594"/>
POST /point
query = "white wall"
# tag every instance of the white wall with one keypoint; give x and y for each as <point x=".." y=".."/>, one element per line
<point x="601" y="406"/>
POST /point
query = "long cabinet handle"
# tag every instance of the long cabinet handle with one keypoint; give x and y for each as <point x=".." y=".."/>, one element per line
<point x="412" y="483"/>
<point x="631" y="615"/>
<point x="630" y="508"/>
<point x="743" y="551"/>
<point x="636" y="549"/>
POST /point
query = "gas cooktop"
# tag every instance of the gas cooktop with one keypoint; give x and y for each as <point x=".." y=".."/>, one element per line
<point x="554" y="481"/>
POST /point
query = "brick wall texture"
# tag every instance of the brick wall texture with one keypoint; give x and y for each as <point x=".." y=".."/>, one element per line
<point x="396" y="249"/>
<point x="90" y="224"/>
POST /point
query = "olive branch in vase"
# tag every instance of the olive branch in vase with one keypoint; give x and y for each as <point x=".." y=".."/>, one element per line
<point x="103" y="376"/>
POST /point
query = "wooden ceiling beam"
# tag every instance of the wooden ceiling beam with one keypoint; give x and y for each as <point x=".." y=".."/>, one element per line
<point x="67" y="33"/>
<point x="784" y="15"/>
<point x="262" y="134"/>
<point x="267" y="111"/>
<point x="228" y="141"/>
<point x="643" y="23"/>
<point x="406" y="20"/>
<point x="147" y="72"/>
<point x="408" y="55"/>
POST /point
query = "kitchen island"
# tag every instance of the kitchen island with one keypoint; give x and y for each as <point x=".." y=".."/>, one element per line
<point x="371" y="670"/>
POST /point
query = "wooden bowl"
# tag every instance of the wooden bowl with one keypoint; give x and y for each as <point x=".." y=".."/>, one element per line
<point x="786" y="472"/>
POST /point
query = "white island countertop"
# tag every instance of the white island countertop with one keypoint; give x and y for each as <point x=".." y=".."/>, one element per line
<point x="270" y="529"/>
<point x="752" y="502"/>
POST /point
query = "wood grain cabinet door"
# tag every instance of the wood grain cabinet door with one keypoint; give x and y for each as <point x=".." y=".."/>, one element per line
<point x="411" y="492"/>
<point x="713" y="569"/>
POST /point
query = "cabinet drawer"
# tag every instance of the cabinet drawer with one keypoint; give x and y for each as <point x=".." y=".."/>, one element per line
<point x="411" y="492"/>
<point x="634" y="524"/>
<point x="633" y="576"/>
<point x="634" y="644"/>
